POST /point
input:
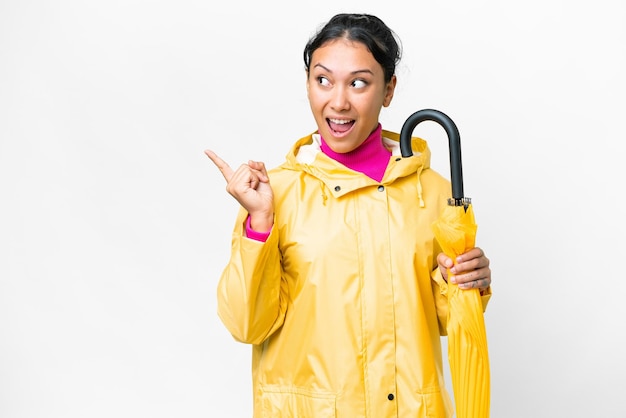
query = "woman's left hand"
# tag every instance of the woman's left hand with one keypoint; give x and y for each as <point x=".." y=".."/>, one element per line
<point x="470" y="271"/>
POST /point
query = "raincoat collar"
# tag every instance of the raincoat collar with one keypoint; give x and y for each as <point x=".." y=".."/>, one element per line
<point x="306" y="156"/>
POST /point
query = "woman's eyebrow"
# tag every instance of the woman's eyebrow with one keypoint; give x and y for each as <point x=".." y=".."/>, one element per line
<point x="353" y="72"/>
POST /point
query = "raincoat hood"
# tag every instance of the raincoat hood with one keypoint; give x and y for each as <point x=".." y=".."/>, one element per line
<point x="305" y="155"/>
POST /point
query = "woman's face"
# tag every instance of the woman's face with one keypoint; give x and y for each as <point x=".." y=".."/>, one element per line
<point x="346" y="89"/>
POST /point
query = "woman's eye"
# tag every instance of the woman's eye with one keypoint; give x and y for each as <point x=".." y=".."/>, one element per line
<point x="323" y="81"/>
<point x="359" y="84"/>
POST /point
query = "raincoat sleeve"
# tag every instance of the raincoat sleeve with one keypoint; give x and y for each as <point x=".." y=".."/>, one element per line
<point x="251" y="296"/>
<point x="440" y="293"/>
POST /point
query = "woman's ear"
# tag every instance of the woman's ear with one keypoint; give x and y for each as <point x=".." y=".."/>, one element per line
<point x="389" y="89"/>
<point x="306" y="72"/>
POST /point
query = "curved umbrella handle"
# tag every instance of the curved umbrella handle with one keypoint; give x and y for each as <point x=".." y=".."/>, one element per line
<point x="454" y="140"/>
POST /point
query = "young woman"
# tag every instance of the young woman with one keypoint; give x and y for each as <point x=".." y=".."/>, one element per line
<point x="335" y="276"/>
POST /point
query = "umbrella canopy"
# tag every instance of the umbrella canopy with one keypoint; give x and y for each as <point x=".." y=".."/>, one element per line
<point x="455" y="230"/>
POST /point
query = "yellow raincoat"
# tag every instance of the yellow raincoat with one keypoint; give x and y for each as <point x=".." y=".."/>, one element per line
<point x="343" y="303"/>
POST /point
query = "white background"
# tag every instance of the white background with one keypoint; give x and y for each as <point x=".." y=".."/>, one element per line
<point x="114" y="226"/>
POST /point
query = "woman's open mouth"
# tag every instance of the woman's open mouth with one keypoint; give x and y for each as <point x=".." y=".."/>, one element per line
<point x="340" y="126"/>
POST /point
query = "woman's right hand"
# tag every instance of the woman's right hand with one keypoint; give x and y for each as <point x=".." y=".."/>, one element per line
<point x="250" y="186"/>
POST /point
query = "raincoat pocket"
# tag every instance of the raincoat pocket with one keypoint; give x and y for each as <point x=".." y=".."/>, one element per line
<point x="433" y="403"/>
<point x="290" y="402"/>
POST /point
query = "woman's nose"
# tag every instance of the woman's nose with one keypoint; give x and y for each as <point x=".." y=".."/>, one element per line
<point x="340" y="100"/>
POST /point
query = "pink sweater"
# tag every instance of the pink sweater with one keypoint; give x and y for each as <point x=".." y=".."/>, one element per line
<point x="370" y="158"/>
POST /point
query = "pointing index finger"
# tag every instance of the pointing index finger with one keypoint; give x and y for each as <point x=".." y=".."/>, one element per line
<point x="227" y="172"/>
